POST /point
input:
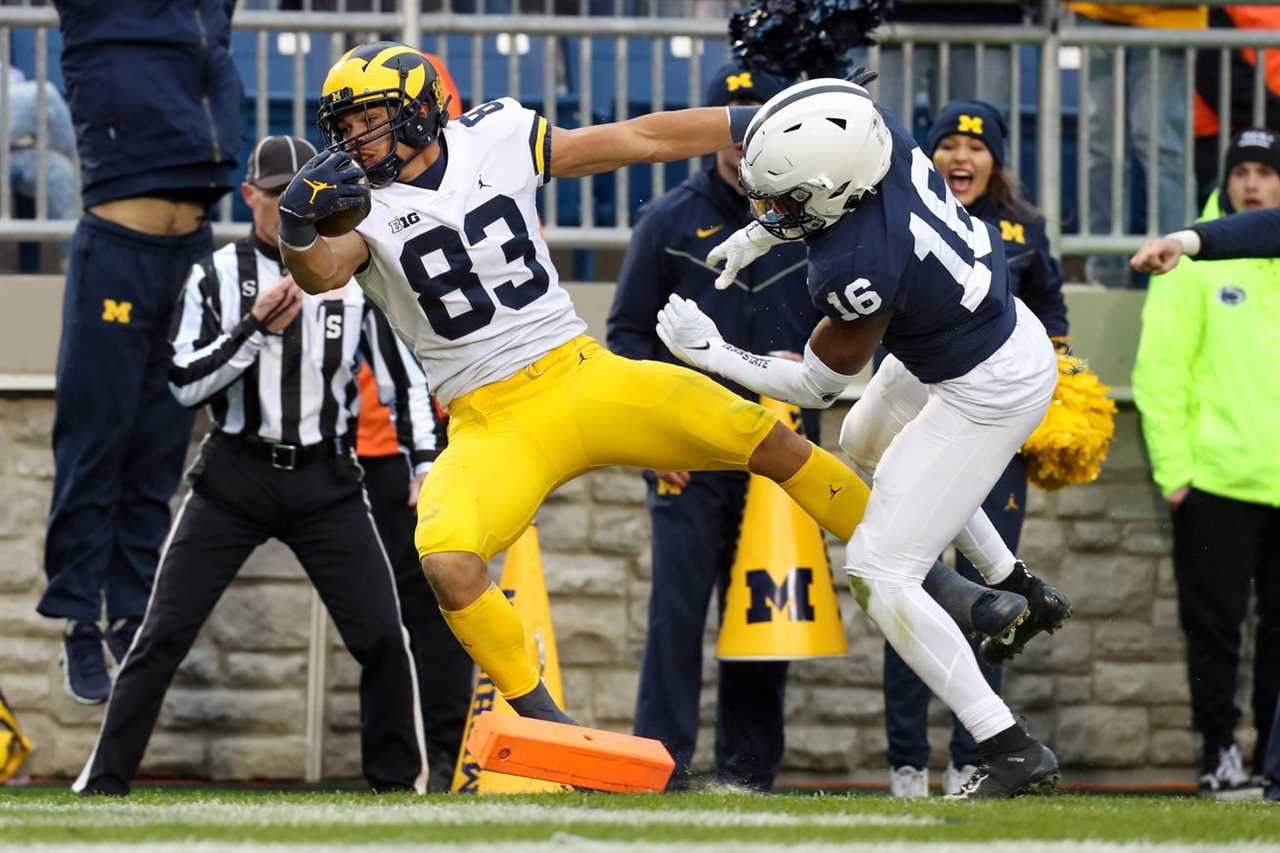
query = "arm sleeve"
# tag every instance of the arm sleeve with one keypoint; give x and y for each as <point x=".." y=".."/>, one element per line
<point x="205" y="358"/>
<point x="1255" y="234"/>
<point x="643" y="287"/>
<point x="1172" y="328"/>
<point x="1040" y="285"/>
<point x="809" y="384"/>
<point x="402" y="385"/>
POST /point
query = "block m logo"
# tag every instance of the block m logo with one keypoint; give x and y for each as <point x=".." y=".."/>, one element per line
<point x="1012" y="232"/>
<point x="734" y="82"/>
<point x="791" y="596"/>
<point x="970" y="124"/>
<point x="116" y="312"/>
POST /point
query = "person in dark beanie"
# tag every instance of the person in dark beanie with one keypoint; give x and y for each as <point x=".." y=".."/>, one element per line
<point x="1209" y="420"/>
<point x="967" y="144"/>
<point x="696" y="516"/>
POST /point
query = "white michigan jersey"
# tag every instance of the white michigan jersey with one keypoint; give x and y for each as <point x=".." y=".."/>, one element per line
<point x="462" y="271"/>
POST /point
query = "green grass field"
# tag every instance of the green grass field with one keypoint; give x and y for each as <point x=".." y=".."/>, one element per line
<point x="199" y="820"/>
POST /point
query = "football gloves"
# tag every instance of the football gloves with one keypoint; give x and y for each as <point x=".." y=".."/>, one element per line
<point x="740" y="250"/>
<point x="326" y="184"/>
<point x="691" y="335"/>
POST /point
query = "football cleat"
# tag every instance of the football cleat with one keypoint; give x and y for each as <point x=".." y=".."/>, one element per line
<point x="978" y="610"/>
<point x="998" y="614"/>
<point x="1029" y="769"/>
<point x="1049" y="610"/>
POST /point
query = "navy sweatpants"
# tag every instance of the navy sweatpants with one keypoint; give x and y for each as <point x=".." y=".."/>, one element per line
<point x="906" y="698"/>
<point x="695" y="536"/>
<point x="119" y="436"/>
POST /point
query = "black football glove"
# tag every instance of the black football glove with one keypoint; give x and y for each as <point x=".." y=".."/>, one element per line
<point x="327" y="183"/>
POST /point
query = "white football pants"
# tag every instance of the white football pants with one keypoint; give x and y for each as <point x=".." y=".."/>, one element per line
<point x="933" y="453"/>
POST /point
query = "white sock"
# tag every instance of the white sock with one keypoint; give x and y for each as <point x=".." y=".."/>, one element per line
<point x="924" y="636"/>
<point x="982" y="546"/>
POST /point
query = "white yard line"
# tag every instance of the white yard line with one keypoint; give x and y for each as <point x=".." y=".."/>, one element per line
<point x="566" y="843"/>
<point x="198" y="812"/>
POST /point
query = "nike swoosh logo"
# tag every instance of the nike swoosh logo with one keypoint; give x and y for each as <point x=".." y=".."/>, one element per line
<point x="707" y="232"/>
<point x="704" y="346"/>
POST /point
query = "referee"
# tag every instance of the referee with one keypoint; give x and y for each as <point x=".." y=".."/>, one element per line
<point x="276" y="368"/>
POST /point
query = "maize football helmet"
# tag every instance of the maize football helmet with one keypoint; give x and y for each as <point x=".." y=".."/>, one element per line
<point x="810" y="153"/>
<point x="396" y="76"/>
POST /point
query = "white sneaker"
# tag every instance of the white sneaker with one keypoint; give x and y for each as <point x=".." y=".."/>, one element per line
<point x="1228" y="781"/>
<point x="953" y="778"/>
<point x="908" y="782"/>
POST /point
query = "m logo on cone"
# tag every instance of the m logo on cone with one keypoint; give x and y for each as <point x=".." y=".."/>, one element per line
<point x="790" y="597"/>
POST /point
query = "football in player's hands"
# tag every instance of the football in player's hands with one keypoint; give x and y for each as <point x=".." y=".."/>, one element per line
<point x="329" y="191"/>
<point x="344" y="221"/>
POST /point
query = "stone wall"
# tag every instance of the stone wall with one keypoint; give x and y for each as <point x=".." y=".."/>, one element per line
<point x="1109" y="691"/>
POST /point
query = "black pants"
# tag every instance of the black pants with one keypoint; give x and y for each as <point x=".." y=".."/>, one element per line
<point x="1220" y="546"/>
<point x="695" y="536"/>
<point x="238" y="501"/>
<point x="119" y="436"/>
<point x="906" y="698"/>
<point x="445" y="670"/>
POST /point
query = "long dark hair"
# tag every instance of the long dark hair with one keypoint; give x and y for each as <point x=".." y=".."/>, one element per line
<point x="1007" y="192"/>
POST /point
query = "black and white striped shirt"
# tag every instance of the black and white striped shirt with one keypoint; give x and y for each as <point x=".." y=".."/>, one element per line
<point x="298" y="387"/>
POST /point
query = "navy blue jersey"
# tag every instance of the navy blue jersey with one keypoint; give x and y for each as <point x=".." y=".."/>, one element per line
<point x="911" y="246"/>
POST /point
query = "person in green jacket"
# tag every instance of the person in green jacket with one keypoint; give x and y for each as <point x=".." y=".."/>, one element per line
<point x="1208" y="388"/>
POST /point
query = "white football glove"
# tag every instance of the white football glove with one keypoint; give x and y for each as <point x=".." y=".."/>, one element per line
<point x="740" y="250"/>
<point x="691" y="335"/>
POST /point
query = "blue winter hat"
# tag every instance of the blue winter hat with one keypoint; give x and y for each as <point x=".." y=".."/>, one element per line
<point x="971" y="118"/>
<point x="732" y="82"/>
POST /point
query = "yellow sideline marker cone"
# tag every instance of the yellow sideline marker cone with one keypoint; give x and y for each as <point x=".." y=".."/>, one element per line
<point x="524" y="584"/>
<point x="781" y="600"/>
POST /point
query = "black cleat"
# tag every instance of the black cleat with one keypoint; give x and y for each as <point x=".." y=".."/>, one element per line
<point x="538" y="705"/>
<point x="1030" y="768"/>
<point x="997" y="615"/>
<point x="978" y="610"/>
<point x="1049" y="610"/>
<point x="105" y="786"/>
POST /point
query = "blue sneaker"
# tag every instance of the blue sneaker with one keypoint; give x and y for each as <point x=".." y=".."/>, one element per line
<point x="84" y="665"/>
<point x="120" y="637"/>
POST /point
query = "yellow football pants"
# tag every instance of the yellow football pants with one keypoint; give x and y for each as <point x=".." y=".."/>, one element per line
<point x="579" y="407"/>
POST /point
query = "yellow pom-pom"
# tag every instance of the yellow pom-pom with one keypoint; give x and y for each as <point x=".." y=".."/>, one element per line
<point x="1073" y="439"/>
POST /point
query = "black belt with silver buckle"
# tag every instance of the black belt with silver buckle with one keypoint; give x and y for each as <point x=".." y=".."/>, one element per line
<point x="289" y="457"/>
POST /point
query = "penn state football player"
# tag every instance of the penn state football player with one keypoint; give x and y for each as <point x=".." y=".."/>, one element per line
<point x="894" y="258"/>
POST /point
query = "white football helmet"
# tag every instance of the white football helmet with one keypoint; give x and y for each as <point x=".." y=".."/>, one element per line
<point x="810" y="153"/>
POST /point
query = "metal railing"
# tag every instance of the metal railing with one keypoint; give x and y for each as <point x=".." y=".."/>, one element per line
<point x="538" y="54"/>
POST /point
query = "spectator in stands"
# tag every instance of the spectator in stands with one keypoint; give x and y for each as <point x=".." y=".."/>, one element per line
<point x="392" y="482"/>
<point x="276" y="368"/>
<point x="1210" y="420"/>
<point x="1241" y="69"/>
<point x="60" y="155"/>
<point x="157" y="108"/>
<point x="696" y="516"/>
<point x="990" y="80"/>
<point x="967" y="144"/>
<point x="1169" y="169"/>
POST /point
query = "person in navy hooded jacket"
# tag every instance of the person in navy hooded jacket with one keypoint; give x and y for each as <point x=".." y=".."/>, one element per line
<point x="696" y="516"/>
